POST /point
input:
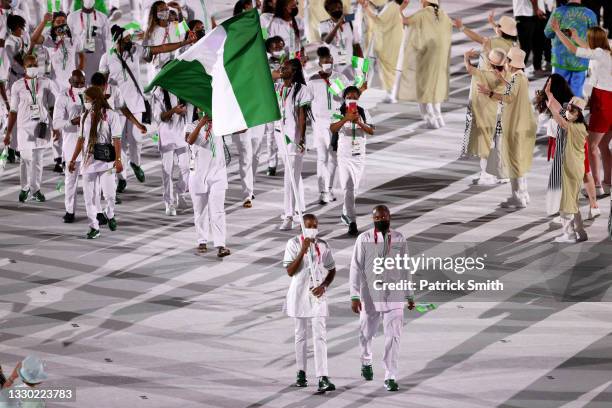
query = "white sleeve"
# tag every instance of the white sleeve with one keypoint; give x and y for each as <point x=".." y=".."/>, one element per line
<point x="291" y="252"/>
<point x="115" y="125"/>
<point x="60" y="117"/>
<point x="305" y="96"/>
<point x="588" y="53"/>
<point x="14" y="97"/>
<point x="356" y="269"/>
<point x="328" y="259"/>
<point x="103" y="66"/>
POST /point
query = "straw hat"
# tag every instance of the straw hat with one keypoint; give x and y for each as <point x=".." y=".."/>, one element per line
<point x="507" y="25"/>
<point x="516" y="57"/>
<point x="32" y="370"/>
<point x="578" y="102"/>
<point x="497" y="57"/>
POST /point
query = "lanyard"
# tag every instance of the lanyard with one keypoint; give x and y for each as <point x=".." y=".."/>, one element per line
<point x="386" y="245"/>
<point x="284" y="93"/>
<point x="291" y="36"/>
<point x="32" y="93"/>
<point x="340" y="37"/>
<point x="88" y="23"/>
<point x="318" y="251"/>
<point x="328" y="93"/>
<point x="64" y="53"/>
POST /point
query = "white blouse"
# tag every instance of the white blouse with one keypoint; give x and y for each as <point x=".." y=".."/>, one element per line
<point x="601" y="67"/>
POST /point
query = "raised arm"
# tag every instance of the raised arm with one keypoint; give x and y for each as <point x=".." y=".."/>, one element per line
<point x="471" y="69"/>
<point x="37" y="35"/>
<point x="555" y="107"/>
<point x="556" y="27"/>
<point x="472" y="35"/>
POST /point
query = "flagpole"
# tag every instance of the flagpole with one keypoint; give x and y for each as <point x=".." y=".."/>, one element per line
<point x="399" y="66"/>
<point x="298" y="204"/>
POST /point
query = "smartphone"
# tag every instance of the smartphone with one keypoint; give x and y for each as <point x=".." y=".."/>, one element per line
<point x="567" y="32"/>
<point x="349" y="18"/>
<point x="352" y="107"/>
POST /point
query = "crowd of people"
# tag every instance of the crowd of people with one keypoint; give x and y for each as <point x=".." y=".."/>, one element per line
<point x="71" y="80"/>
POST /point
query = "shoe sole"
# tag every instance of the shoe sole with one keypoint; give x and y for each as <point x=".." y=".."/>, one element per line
<point x="94" y="237"/>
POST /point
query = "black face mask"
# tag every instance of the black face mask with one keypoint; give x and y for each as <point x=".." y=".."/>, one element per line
<point x="294" y="12"/>
<point x="336" y="14"/>
<point x="127" y="46"/>
<point x="199" y="34"/>
<point x="382" y="226"/>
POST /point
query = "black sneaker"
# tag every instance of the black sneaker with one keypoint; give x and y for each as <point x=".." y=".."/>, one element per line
<point x="121" y="185"/>
<point x="138" y="172"/>
<point x="58" y="166"/>
<point x="301" y="381"/>
<point x="353" y="231"/>
<point x="68" y="218"/>
<point x="345" y="219"/>
<point x="325" y="385"/>
<point x="367" y="373"/>
<point x="117" y="200"/>
<point x="39" y="197"/>
<point x="271" y="171"/>
<point x="11" y="156"/>
<point x="23" y="195"/>
<point x="112" y="224"/>
<point x="223" y="252"/>
<point x="102" y="220"/>
<point x="93" y="234"/>
<point x="391" y="385"/>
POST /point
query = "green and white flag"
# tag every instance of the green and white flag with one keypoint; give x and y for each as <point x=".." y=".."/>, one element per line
<point x="336" y="87"/>
<point x="181" y="29"/>
<point x="226" y="74"/>
<point x="361" y="64"/>
<point x="132" y="28"/>
<point x="53" y="6"/>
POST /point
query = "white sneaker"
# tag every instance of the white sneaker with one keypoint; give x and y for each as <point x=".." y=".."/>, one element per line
<point x="287" y="224"/>
<point x="330" y="196"/>
<point x="440" y="122"/>
<point x="181" y="203"/>
<point x="593" y="213"/>
<point x="485" y="180"/>
<point x="567" y="239"/>
<point x="556" y="220"/>
<point x="503" y="181"/>
<point x="170" y="210"/>
<point x="514" y="202"/>
<point x="323" y="198"/>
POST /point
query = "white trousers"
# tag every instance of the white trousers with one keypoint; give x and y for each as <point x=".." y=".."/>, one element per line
<point x="431" y="111"/>
<point x="129" y="146"/>
<point x="209" y="213"/>
<point x="249" y="145"/>
<point x="392" y="329"/>
<point x="167" y="162"/>
<point x="296" y="162"/>
<point x="319" y="338"/>
<point x="30" y="169"/>
<point x="57" y="148"/>
<point x="271" y="145"/>
<point x="71" y="181"/>
<point x="327" y="159"/>
<point x="92" y="184"/>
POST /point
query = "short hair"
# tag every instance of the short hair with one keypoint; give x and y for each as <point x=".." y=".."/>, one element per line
<point x="381" y="207"/>
<point x="193" y="23"/>
<point x="329" y="3"/>
<point x="98" y="79"/>
<point x="307" y="217"/>
<point x="351" y="88"/>
<point x="15" y="21"/>
<point x="273" y="40"/>
<point x="58" y="14"/>
<point x="323" y="52"/>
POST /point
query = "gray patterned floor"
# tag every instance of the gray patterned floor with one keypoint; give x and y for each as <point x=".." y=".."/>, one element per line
<point x="137" y="319"/>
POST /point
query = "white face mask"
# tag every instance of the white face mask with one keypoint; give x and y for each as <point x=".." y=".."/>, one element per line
<point x="349" y="101"/>
<point x="311" y="233"/>
<point x="88" y="3"/>
<point x="571" y="116"/>
<point x="327" y="68"/>
<point x="163" y="15"/>
<point x="78" y="91"/>
<point x="32" y="72"/>
<point x="88" y="105"/>
<point x="278" y="54"/>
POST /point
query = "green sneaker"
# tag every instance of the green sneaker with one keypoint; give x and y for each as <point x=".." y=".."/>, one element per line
<point x="38" y="196"/>
<point x="112" y="224"/>
<point x="301" y="379"/>
<point x="325" y="385"/>
<point x="391" y="385"/>
<point x="121" y="185"/>
<point x="367" y="373"/>
<point x="93" y="233"/>
<point x="23" y="195"/>
<point x="138" y="172"/>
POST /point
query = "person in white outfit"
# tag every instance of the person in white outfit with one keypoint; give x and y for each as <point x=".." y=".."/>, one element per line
<point x="294" y="99"/>
<point x="373" y="305"/>
<point x="310" y="264"/>
<point x="66" y="119"/>
<point x="276" y="56"/>
<point x="170" y="115"/>
<point x="160" y="31"/>
<point x="207" y="184"/>
<point x="326" y="87"/>
<point x="352" y="123"/>
<point x="30" y="114"/>
<point x="99" y="145"/>
<point x="249" y="144"/>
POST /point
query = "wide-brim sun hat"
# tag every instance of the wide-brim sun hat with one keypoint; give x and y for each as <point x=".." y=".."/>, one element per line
<point x="578" y="102"/>
<point x="497" y="57"/>
<point x="516" y="57"/>
<point x="32" y="370"/>
<point x="507" y="25"/>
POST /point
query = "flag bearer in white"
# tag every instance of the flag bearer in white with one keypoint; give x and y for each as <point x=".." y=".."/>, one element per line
<point x="66" y="118"/>
<point x="352" y="123"/>
<point x="30" y="104"/>
<point x="249" y="145"/>
<point x="99" y="144"/>
<point x="310" y="264"/>
<point x="276" y="56"/>
<point x="381" y="242"/>
<point x="207" y="184"/>
<point x="326" y="100"/>
<point x="294" y="100"/>
<point x="170" y="115"/>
